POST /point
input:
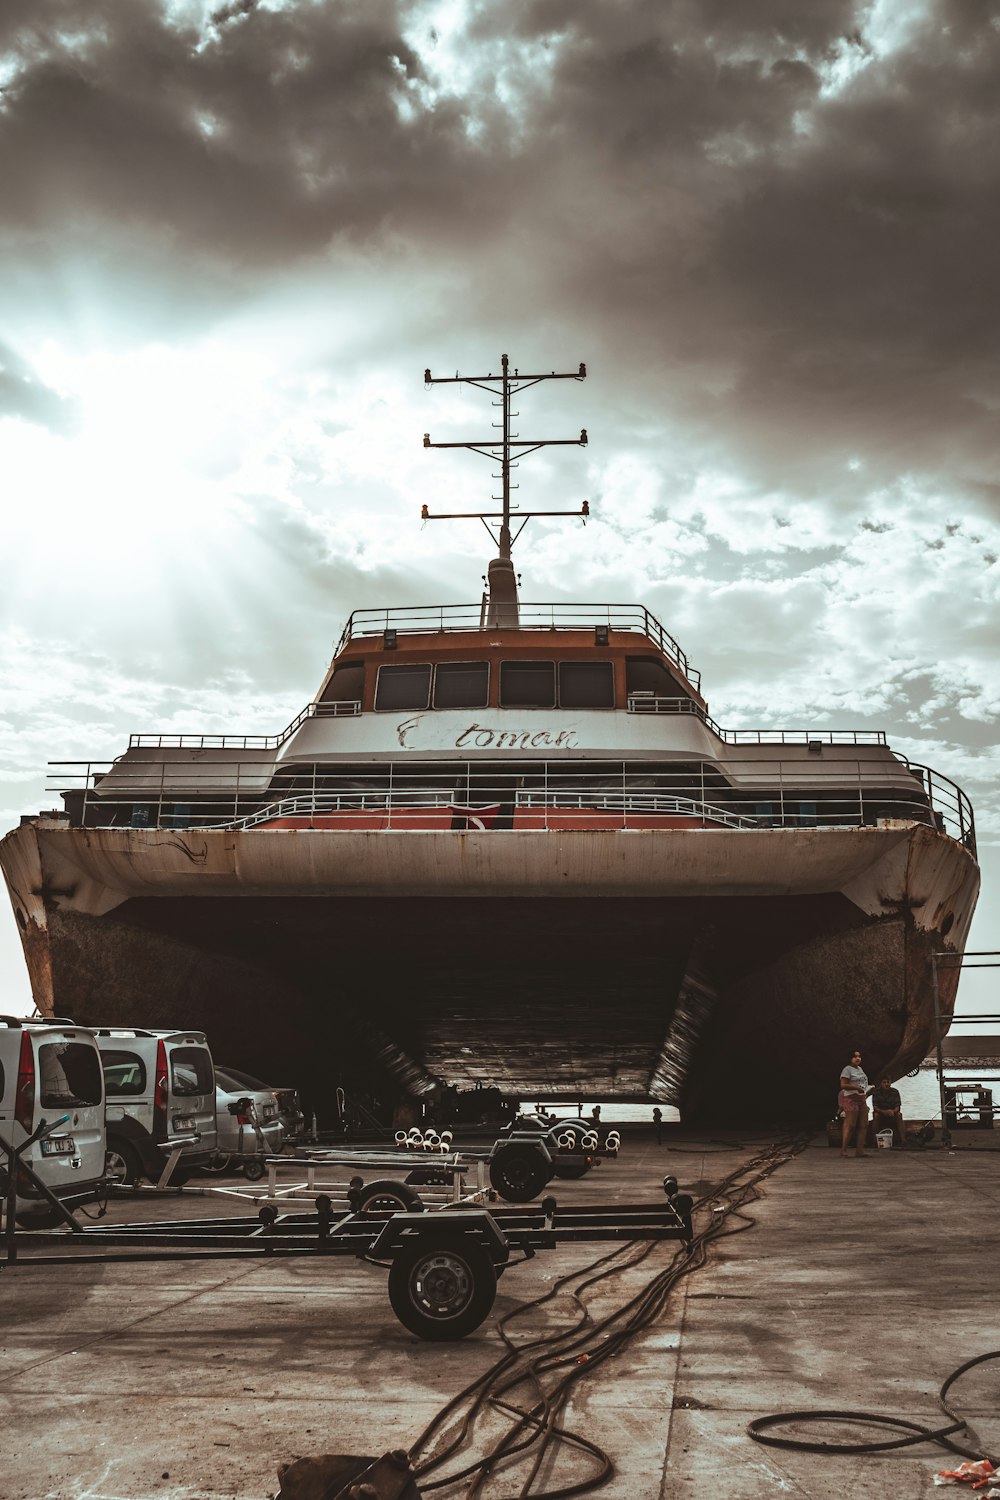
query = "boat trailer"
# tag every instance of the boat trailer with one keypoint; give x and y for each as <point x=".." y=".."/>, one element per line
<point x="443" y="1266"/>
<point x="429" y="1171"/>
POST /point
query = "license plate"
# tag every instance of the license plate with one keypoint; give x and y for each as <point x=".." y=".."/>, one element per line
<point x="60" y="1145"/>
<point x="183" y="1122"/>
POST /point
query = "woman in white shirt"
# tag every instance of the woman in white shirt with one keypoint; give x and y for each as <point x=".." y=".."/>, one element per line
<point x="854" y="1104"/>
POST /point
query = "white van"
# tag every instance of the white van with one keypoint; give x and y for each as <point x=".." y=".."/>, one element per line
<point x="160" y="1095"/>
<point x="51" y="1069"/>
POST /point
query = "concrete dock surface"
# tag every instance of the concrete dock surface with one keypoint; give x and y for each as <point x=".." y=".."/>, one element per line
<point x="861" y="1285"/>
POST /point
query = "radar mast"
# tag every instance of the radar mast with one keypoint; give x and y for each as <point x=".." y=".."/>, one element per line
<point x="507" y="450"/>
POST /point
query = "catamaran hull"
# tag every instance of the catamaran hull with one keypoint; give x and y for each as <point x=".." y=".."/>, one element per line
<point x="730" y="971"/>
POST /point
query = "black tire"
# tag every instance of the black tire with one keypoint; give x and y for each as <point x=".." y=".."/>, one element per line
<point x="442" y="1288"/>
<point x="253" y="1171"/>
<point x="519" y="1173"/>
<point x="389" y="1196"/>
<point x="39" y="1218"/>
<point x="121" y="1162"/>
<point x="572" y="1169"/>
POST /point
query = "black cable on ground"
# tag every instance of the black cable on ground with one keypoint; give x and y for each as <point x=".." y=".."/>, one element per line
<point x="574" y="1353"/>
<point x="759" y="1428"/>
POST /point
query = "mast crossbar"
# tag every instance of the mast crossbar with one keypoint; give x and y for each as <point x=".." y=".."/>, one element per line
<point x="508" y="448"/>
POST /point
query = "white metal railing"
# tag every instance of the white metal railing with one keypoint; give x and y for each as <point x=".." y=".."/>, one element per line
<point x="518" y="795"/>
<point x="245" y="741"/>
<point x="651" y="703"/>
<point x="638" y="703"/>
<point x="442" y="618"/>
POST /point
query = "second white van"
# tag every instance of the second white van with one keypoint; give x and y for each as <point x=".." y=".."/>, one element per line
<point x="160" y="1095"/>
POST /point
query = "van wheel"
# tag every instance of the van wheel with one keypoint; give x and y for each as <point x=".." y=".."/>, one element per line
<point x="442" y="1288"/>
<point x="121" y="1164"/>
<point x="39" y="1218"/>
<point x="253" y="1171"/>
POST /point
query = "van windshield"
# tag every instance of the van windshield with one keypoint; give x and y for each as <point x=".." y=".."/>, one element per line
<point x="70" y="1075"/>
<point x="191" y="1071"/>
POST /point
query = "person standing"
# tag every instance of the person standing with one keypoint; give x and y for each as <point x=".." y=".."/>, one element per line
<point x="658" y="1125"/>
<point x="854" y="1104"/>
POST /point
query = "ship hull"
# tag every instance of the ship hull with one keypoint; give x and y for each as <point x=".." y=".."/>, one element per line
<point x="731" y="972"/>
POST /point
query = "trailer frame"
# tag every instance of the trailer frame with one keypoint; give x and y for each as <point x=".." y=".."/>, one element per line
<point x="443" y="1266"/>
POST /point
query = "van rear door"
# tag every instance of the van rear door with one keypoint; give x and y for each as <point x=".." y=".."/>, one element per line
<point x="192" y="1091"/>
<point x="69" y="1081"/>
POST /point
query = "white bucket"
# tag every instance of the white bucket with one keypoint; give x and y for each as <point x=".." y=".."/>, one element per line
<point x="884" y="1140"/>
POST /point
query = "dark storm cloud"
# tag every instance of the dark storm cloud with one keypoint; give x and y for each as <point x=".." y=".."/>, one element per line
<point x="786" y="226"/>
<point x="257" y="141"/>
<point x="815" y="255"/>
<point x="23" y="394"/>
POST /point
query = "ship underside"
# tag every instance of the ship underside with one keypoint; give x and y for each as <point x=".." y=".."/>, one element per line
<point x="728" y="973"/>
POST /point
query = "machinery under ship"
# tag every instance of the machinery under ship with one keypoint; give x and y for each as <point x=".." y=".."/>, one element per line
<point x="506" y="845"/>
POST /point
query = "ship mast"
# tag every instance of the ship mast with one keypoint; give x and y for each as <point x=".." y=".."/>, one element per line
<point x="507" y="450"/>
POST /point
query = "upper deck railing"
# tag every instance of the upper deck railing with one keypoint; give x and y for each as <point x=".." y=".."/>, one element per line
<point x="765" y="794"/>
<point x="441" y="618"/>
<point x="638" y="703"/>
<point x="650" y="703"/>
<point x="244" y="741"/>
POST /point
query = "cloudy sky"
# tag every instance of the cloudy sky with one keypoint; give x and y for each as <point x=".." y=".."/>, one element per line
<point x="232" y="238"/>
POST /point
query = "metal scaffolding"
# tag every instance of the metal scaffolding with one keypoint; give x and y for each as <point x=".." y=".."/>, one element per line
<point x="949" y="1091"/>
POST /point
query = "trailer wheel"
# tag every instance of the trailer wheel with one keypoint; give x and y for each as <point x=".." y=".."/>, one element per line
<point x="388" y="1196"/>
<point x="571" y="1169"/>
<point x="442" y="1288"/>
<point x="519" y="1173"/>
<point x="253" y="1170"/>
<point x="121" y="1163"/>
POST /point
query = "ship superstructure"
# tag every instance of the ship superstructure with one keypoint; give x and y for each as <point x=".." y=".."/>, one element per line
<point x="507" y="844"/>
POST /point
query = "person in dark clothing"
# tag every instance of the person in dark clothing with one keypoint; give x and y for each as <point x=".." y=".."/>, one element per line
<point x="658" y="1125"/>
<point x="887" y="1111"/>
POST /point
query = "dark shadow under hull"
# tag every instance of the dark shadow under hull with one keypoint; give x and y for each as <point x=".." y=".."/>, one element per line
<point x="545" y="998"/>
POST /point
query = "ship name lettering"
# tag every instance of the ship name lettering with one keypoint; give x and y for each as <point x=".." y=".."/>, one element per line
<point x="513" y="739"/>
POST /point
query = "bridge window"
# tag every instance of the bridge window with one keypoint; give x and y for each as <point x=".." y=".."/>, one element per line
<point x="527" y="684"/>
<point x="461" y="684"/>
<point x="586" y="684"/>
<point x="643" y="674"/>
<point x="346" y="684"/>
<point x="403" y="687"/>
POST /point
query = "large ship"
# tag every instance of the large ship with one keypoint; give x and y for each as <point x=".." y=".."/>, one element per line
<point x="507" y="846"/>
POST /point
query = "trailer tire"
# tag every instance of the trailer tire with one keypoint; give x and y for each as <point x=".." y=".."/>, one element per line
<point x="253" y="1171"/>
<point x="519" y="1173"/>
<point x="441" y="1288"/>
<point x="571" y="1169"/>
<point x="121" y="1162"/>
<point x="389" y="1196"/>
